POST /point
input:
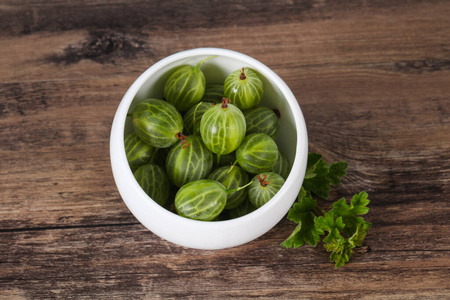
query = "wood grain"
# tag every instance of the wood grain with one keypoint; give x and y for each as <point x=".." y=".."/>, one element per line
<point x="373" y="82"/>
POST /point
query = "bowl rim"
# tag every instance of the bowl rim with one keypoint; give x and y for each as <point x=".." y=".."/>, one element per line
<point x="124" y="176"/>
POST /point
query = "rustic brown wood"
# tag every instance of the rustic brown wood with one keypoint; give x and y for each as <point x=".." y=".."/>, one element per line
<point x="372" y="79"/>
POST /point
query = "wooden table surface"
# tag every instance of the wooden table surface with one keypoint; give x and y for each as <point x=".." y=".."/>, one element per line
<point x="372" y="79"/>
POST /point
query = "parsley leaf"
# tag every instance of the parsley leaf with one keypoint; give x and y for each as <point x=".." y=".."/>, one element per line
<point x="349" y="213"/>
<point x="360" y="233"/>
<point x="336" y="171"/>
<point x="342" y="224"/>
<point x="302" y="213"/>
<point x="341" y="250"/>
<point x="331" y="223"/>
<point x="320" y="176"/>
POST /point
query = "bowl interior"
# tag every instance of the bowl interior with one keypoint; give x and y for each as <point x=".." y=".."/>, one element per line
<point x="216" y="69"/>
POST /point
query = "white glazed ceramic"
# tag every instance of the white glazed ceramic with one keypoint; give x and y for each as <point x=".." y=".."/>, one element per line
<point x="292" y="141"/>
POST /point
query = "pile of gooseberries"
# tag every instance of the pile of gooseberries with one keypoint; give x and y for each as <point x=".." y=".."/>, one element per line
<point x="207" y="152"/>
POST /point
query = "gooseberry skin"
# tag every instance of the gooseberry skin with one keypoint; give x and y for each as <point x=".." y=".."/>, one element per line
<point x="193" y="117"/>
<point x="185" y="87"/>
<point x="257" y="153"/>
<point x="157" y="122"/>
<point x="202" y="200"/>
<point x="213" y="93"/>
<point x="224" y="160"/>
<point x="138" y="153"/>
<point x="188" y="160"/>
<point x="244" y="91"/>
<point x="232" y="179"/>
<point x="282" y="166"/>
<point x="154" y="181"/>
<point x="222" y="128"/>
<point x="262" y="120"/>
<point x="243" y="209"/>
<point x="259" y="193"/>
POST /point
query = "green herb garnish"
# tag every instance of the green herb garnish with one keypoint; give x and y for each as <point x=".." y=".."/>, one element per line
<point x="341" y="223"/>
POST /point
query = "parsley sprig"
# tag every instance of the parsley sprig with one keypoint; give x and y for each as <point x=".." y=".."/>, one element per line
<point x="342" y="223"/>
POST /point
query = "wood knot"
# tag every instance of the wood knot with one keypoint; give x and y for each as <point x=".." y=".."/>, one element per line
<point x="101" y="44"/>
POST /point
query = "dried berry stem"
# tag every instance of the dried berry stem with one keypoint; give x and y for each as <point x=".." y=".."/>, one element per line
<point x="242" y="76"/>
<point x="182" y="137"/>
<point x="263" y="181"/>
<point x="225" y="102"/>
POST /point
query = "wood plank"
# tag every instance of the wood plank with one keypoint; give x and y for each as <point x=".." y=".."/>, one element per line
<point x="49" y="55"/>
<point x="25" y="17"/>
<point x="55" y="148"/>
<point x="130" y="260"/>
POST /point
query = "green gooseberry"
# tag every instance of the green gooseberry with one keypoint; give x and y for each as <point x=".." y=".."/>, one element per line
<point x="222" y="128"/>
<point x="138" y="153"/>
<point x="224" y="160"/>
<point x="188" y="160"/>
<point x="262" y="120"/>
<point x="244" y="88"/>
<point x="154" y="181"/>
<point x="202" y="200"/>
<point x="157" y="123"/>
<point x="243" y="209"/>
<point x="193" y="116"/>
<point x="213" y="93"/>
<point x="231" y="179"/>
<point x="264" y="186"/>
<point x="185" y="86"/>
<point x="282" y="166"/>
<point x="257" y="153"/>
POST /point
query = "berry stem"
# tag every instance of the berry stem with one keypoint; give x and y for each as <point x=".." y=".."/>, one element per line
<point x="263" y="181"/>
<point x="225" y="102"/>
<point x="201" y="62"/>
<point x="242" y="76"/>
<point x="232" y="166"/>
<point x="239" y="188"/>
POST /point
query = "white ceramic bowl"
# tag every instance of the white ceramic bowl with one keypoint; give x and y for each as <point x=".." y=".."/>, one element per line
<point x="292" y="142"/>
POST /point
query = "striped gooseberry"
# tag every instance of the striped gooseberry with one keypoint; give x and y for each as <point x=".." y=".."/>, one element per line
<point x="185" y="86"/>
<point x="154" y="181"/>
<point x="157" y="123"/>
<point x="203" y="199"/>
<point x="188" y="160"/>
<point x="262" y="120"/>
<point x="282" y="166"/>
<point x="193" y="116"/>
<point x="231" y="179"/>
<point x="244" y="88"/>
<point x="222" y="128"/>
<point x="243" y="209"/>
<point x="138" y="153"/>
<point x="257" y="153"/>
<point x="213" y="93"/>
<point x="264" y="186"/>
